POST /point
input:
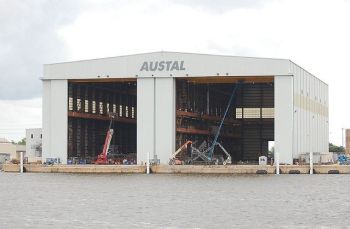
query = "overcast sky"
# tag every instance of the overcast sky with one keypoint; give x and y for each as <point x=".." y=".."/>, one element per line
<point x="314" y="34"/>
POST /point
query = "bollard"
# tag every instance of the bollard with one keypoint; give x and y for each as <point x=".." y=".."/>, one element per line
<point x="147" y="163"/>
<point x="311" y="162"/>
<point x="21" y="162"/>
<point x="277" y="162"/>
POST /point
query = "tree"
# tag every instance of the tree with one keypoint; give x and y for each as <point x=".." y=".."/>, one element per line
<point x="22" y="142"/>
<point x="335" y="148"/>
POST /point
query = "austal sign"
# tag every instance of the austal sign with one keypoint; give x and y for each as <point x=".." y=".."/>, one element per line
<point x="163" y="66"/>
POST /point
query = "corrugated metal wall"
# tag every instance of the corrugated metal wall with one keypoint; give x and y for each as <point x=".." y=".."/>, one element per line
<point x="311" y="127"/>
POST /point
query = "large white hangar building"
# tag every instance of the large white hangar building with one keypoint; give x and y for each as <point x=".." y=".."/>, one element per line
<point x="164" y="99"/>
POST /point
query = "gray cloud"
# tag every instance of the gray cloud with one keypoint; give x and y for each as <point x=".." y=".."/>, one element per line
<point x="28" y="36"/>
<point x="28" y="39"/>
<point x="231" y="49"/>
<point x="220" y="6"/>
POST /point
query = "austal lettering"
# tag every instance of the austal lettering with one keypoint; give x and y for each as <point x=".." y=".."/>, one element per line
<point x="163" y="66"/>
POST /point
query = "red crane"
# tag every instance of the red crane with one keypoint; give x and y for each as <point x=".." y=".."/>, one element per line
<point x="102" y="157"/>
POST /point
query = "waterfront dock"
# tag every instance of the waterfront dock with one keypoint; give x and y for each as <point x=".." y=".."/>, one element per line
<point x="179" y="169"/>
<point x="89" y="169"/>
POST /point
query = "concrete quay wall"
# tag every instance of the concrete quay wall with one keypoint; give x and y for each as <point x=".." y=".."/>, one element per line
<point x="180" y="169"/>
<point x="213" y="169"/>
<point x="76" y="168"/>
<point x="249" y="169"/>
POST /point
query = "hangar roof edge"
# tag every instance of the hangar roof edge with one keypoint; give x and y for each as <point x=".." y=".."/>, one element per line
<point x="169" y="52"/>
<point x="169" y="64"/>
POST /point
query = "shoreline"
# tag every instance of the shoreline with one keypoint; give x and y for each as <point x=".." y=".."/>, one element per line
<point x="178" y="169"/>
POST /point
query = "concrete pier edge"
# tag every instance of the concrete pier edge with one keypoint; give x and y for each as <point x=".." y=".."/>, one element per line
<point x="179" y="169"/>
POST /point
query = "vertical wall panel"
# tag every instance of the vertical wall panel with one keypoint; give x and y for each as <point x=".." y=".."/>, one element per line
<point x="46" y="116"/>
<point x="296" y="80"/>
<point x="284" y="118"/>
<point x="165" y="118"/>
<point x="311" y="122"/>
<point x="55" y="120"/>
<point x="145" y="119"/>
<point x="327" y="117"/>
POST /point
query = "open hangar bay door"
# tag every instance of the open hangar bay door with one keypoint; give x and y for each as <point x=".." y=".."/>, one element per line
<point x="90" y="103"/>
<point x="248" y="126"/>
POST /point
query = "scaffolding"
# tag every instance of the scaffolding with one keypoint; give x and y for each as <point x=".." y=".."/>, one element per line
<point x="89" y="104"/>
<point x="249" y="123"/>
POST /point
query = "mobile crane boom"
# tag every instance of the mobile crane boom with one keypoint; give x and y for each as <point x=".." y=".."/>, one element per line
<point x="102" y="157"/>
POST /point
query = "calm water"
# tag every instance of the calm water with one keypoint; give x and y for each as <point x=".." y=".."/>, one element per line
<point x="174" y="201"/>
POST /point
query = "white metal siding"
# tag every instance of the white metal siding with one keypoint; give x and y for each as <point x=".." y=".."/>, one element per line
<point x="46" y="120"/>
<point x="310" y="113"/>
<point x="55" y="120"/>
<point x="165" y="118"/>
<point x="284" y="118"/>
<point x="145" y="119"/>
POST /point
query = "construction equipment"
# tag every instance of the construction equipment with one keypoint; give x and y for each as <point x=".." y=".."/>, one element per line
<point x="211" y="151"/>
<point x="174" y="160"/>
<point x="205" y="156"/>
<point x="53" y="161"/>
<point x="205" y="152"/>
<point x="343" y="160"/>
<point x="102" y="158"/>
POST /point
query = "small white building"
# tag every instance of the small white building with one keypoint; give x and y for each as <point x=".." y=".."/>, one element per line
<point x="33" y="144"/>
<point x="10" y="151"/>
<point x="7" y="150"/>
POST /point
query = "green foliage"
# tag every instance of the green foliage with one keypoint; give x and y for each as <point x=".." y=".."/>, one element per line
<point x="335" y="148"/>
<point x="22" y="142"/>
